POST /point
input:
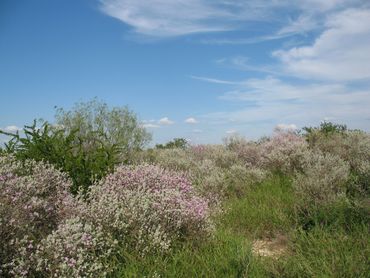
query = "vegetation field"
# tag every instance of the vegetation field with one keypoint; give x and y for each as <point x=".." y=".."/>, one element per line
<point x="86" y="197"/>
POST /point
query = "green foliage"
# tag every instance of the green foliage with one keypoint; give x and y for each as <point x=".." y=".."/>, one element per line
<point x="67" y="151"/>
<point x="326" y="128"/>
<point x="86" y="142"/>
<point x="99" y="124"/>
<point x="176" y="143"/>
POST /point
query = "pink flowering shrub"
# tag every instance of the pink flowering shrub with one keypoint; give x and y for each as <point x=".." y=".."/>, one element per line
<point x="33" y="199"/>
<point x="248" y="152"/>
<point x="147" y="208"/>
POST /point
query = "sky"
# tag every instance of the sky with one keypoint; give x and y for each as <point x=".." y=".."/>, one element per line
<point x="196" y="69"/>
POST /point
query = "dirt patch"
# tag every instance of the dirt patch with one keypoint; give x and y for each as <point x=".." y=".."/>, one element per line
<point x="272" y="247"/>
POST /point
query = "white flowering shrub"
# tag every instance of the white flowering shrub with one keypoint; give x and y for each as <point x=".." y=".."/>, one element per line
<point x="75" y="249"/>
<point x="240" y="178"/>
<point x="147" y="208"/>
<point x="209" y="181"/>
<point x="174" y="159"/>
<point x="351" y="146"/>
<point x="221" y="156"/>
<point x="34" y="197"/>
<point x="283" y="152"/>
<point x="322" y="180"/>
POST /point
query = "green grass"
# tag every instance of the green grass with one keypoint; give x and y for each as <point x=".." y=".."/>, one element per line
<point x="225" y="255"/>
<point x="267" y="209"/>
<point x="334" y="244"/>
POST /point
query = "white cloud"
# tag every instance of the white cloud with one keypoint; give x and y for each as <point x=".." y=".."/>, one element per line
<point x="150" y="126"/>
<point x="191" y="120"/>
<point x="164" y="18"/>
<point x="303" y="24"/>
<point x="165" y="121"/>
<point x="231" y="131"/>
<point x="214" y="80"/>
<point x="340" y="53"/>
<point x="286" y="127"/>
<point x="12" y="128"/>
<point x="271" y="100"/>
<point x="167" y="17"/>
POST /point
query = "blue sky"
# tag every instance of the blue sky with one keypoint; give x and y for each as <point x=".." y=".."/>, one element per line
<point x="198" y="69"/>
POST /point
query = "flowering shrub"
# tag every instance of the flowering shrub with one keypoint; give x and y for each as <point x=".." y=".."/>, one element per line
<point x="174" y="159"/>
<point x="240" y="178"/>
<point x="247" y="151"/>
<point x="222" y="157"/>
<point x="33" y="199"/>
<point x="323" y="179"/>
<point x="209" y="181"/>
<point x="351" y="146"/>
<point x="147" y="208"/>
<point x="75" y="249"/>
<point x="283" y="152"/>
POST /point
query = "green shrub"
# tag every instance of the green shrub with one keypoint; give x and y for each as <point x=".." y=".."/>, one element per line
<point x="98" y="124"/>
<point x="87" y="142"/>
<point x="67" y="151"/>
<point x="179" y="143"/>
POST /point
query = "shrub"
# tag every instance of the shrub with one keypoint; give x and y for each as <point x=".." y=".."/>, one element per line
<point x="174" y="159"/>
<point x="75" y="249"/>
<point x="147" y="208"/>
<point x="239" y="178"/>
<point x="247" y="151"/>
<point x="351" y="146"/>
<point x="209" y="181"/>
<point x="221" y="156"/>
<point x="96" y="122"/>
<point x="322" y="180"/>
<point x="83" y="158"/>
<point x="33" y="199"/>
<point x="283" y="152"/>
<point x="179" y="143"/>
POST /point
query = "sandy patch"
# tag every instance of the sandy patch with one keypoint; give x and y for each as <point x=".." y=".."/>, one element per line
<point x="273" y="248"/>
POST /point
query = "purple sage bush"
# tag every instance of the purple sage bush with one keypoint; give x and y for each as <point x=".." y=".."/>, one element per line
<point x="147" y="208"/>
<point x="75" y="249"/>
<point x="34" y="198"/>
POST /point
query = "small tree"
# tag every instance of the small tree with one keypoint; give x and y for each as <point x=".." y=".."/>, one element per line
<point x="117" y="126"/>
<point x="179" y="143"/>
<point x="87" y="142"/>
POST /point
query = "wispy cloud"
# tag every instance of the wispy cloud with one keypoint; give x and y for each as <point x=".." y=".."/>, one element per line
<point x="11" y="128"/>
<point x="166" y="18"/>
<point x="340" y="53"/>
<point x="215" y="80"/>
<point x="275" y="101"/>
